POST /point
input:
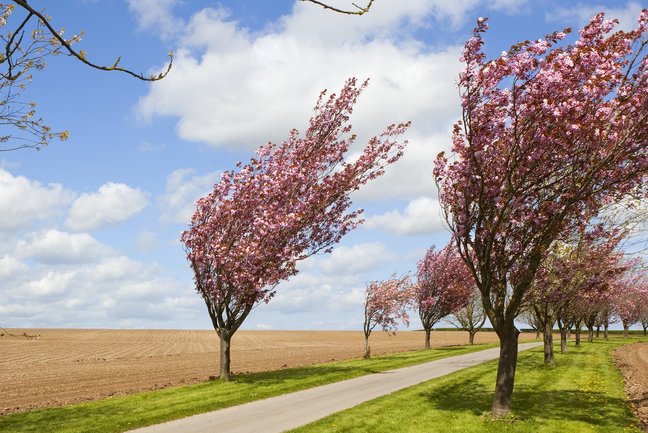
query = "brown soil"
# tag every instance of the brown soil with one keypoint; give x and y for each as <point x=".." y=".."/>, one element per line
<point x="63" y="366"/>
<point x="632" y="360"/>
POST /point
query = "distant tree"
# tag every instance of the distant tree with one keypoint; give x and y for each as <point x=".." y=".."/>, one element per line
<point x="529" y="317"/>
<point x="443" y="286"/>
<point x="548" y="135"/>
<point x="630" y="300"/>
<point x="29" y="38"/>
<point x="644" y="322"/>
<point x="288" y="203"/>
<point x="470" y="317"/>
<point x="386" y="303"/>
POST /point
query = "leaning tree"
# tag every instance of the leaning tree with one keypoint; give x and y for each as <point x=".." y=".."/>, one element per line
<point x="549" y="134"/>
<point x="386" y="303"/>
<point x="287" y="204"/>
<point x="443" y="286"/>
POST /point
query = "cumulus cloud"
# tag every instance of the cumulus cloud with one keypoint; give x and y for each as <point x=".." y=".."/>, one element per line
<point x="113" y="291"/>
<point x="56" y="247"/>
<point x="156" y="15"/>
<point x="355" y="259"/>
<point x="183" y="188"/>
<point x="582" y="12"/>
<point x="238" y="88"/>
<point x="421" y="215"/>
<point x="23" y="201"/>
<point x="111" y="204"/>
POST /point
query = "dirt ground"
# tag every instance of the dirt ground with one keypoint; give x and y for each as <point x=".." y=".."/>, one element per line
<point x="63" y="366"/>
<point x="632" y="360"/>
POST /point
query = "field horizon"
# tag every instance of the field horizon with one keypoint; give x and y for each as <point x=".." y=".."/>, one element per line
<point x="61" y="366"/>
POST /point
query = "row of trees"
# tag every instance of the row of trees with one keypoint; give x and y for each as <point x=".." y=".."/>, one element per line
<point x="443" y="287"/>
<point x="589" y="282"/>
<point x="550" y="135"/>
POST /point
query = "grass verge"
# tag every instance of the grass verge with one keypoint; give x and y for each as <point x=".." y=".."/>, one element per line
<point x="583" y="393"/>
<point x="120" y="414"/>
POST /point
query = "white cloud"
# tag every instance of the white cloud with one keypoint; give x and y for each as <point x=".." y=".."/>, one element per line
<point x="114" y="291"/>
<point x="156" y="15"/>
<point x="510" y="6"/>
<point x="356" y="259"/>
<point x="411" y="176"/>
<point x="422" y="215"/>
<point x="182" y="191"/>
<point x="10" y="265"/>
<point x="56" y="247"/>
<point x="111" y="204"/>
<point x="231" y="87"/>
<point x="23" y="200"/>
<point x="627" y="14"/>
<point x="146" y="241"/>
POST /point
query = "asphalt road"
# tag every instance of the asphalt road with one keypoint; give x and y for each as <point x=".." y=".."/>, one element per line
<point x="285" y="412"/>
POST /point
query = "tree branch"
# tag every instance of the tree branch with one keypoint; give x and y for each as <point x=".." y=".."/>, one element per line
<point x="81" y="56"/>
<point x="360" y="10"/>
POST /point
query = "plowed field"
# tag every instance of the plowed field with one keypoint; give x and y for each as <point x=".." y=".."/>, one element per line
<point x="632" y="359"/>
<point x="63" y="366"/>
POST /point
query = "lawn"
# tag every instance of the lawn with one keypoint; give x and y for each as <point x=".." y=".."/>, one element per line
<point x="124" y="413"/>
<point x="583" y="393"/>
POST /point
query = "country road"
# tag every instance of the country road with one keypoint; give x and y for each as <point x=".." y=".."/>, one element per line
<point x="278" y="414"/>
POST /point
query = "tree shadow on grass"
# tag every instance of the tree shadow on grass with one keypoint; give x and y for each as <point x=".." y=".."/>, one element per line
<point x="339" y="370"/>
<point x="471" y="396"/>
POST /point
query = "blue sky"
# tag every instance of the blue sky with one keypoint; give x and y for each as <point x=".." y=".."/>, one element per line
<point x="90" y="226"/>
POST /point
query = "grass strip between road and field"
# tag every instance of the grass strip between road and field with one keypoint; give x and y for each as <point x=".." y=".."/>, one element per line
<point x="583" y="393"/>
<point x="119" y="414"/>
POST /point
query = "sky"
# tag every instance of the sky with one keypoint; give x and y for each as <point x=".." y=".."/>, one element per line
<point x="90" y="227"/>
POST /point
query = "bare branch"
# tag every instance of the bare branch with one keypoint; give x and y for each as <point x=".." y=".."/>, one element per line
<point x="359" y="9"/>
<point x="81" y="56"/>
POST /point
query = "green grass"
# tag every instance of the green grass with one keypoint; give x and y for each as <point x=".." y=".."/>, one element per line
<point x="583" y="393"/>
<point x="124" y="413"/>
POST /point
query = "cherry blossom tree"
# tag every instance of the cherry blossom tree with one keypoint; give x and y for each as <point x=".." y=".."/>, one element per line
<point x="288" y="203"/>
<point x="470" y="317"/>
<point x="549" y="134"/>
<point x="443" y="286"/>
<point x="386" y="303"/>
<point x="631" y="295"/>
<point x="573" y="283"/>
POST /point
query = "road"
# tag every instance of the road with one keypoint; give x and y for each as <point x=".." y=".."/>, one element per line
<point x="285" y="412"/>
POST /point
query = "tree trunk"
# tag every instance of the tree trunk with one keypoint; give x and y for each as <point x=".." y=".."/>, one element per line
<point x="471" y="337"/>
<point x="563" y="340"/>
<point x="598" y="331"/>
<point x="644" y="328"/>
<point x="225" y="359"/>
<point x="505" y="370"/>
<point x="605" y="331"/>
<point x="590" y="334"/>
<point x="367" y="354"/>
<point x="626" y="328"/>
<point x="548" y="345"/>
<point x="537" y="333"/>
<point x="427" y="338"/>
<point x="577" y="334"/>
